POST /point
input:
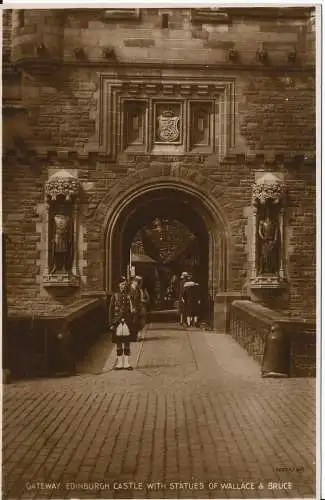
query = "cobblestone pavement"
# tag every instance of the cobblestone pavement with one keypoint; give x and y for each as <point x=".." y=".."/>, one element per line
<point x="193" y="420"/>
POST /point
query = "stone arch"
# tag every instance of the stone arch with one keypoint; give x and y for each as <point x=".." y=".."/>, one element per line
<point x="199" y="190"/>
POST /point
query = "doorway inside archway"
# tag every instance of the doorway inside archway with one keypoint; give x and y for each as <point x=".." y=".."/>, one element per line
<point x="162" y="232"/>
<point x="164" y="248"/>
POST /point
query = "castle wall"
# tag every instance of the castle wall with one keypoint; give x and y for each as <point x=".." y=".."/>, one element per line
<point x="268" y="116"/>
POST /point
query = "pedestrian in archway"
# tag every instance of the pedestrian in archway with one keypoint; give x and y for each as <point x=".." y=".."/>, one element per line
<point x="124" y="326"/>
<point x="144" y="306"/>
<point x="192" y="301"/>
<point x="183" y="279"/>
<point x="135" y="301"/>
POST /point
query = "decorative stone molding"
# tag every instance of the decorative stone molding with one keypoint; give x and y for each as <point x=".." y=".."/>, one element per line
<point x="116" y="94"/>
<point x="267" y="282"/>
<point x="95" y="153"/>
<point x="120" y="14"/>
<point x="63" y="184"/>
<point x="210" y="16"/>
<point x="10" y="109"/>
<point x="61" y="280"/>
<point x="275" y="192"/>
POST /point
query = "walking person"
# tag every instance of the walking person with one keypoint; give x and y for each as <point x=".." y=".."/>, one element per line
<point x="135" y="300"/>
<point x="124" y="326"/>
<point x="183" y="279"/>
<point x="144" y="306"/>
<point x="192" y="302"/>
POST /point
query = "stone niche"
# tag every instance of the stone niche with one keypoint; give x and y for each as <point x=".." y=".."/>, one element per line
<point x="268" y="228"/>
<point x="61" y="225"/>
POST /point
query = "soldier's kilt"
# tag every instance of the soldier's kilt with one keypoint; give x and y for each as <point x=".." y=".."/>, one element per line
<point x="132" y="324"/>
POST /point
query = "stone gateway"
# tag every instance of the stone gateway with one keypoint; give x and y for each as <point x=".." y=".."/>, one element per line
<point x="200" y="119"/>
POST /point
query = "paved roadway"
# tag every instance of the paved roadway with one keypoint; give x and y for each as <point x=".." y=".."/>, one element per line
<point x="193" y="420"/>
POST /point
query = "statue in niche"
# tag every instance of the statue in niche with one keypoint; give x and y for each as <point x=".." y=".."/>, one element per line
<point x="268" y="233"/>
<point x="62" y="242"/>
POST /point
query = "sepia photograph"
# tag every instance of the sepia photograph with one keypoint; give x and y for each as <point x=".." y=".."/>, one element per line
<point x="159" y="228"/>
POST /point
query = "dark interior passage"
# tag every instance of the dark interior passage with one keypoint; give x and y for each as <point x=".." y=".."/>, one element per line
<point x="160" y="252"/>
<point x="160" y="238"/>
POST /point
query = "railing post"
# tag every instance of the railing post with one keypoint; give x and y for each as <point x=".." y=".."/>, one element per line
<point x="276" y="359"/>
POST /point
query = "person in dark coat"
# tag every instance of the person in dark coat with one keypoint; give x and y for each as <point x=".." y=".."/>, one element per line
<point x="183" y="279"/>
<point x="144" y="305"/>
<point x="124" y="324"/>
<point x="192" y="302"/>
<point x="135" y="299"/>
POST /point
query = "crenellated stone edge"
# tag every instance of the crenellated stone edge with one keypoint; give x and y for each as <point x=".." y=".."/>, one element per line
<point x="251" y="158"/>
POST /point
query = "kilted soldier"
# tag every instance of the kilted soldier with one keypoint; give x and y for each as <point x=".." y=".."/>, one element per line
<point x="192" y="302"/>
<point x="124" y="326"/>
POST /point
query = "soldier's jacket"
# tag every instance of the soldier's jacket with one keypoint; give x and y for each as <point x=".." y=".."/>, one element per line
<point x="121" y="306"/>
<point x="135" y="299"/>
<point x="126" y="330"/>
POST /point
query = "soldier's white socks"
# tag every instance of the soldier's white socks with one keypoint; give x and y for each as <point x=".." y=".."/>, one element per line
<point x="126" y="362"/>
<point x="119" y="363"/>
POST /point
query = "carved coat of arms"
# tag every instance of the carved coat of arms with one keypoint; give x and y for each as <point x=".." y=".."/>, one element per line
<point x="168" y="129"/>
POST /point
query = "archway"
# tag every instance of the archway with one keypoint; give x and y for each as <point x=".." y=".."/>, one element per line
<point x="179" y="201"/>
<point x="180" y="244"/>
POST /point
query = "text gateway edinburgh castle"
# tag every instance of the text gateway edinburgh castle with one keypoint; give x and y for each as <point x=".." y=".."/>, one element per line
<point x="158" y="141"/>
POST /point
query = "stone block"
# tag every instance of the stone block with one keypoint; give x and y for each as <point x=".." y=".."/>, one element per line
<point x="221" y="309"/>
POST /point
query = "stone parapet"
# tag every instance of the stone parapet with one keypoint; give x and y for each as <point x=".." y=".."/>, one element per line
<point x="282" y="345"/>
<point x="49" y="342"/>
<point x="221" y="309"/>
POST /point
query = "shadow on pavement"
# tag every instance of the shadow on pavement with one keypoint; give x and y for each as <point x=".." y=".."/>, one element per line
<point x="96" y="357"/>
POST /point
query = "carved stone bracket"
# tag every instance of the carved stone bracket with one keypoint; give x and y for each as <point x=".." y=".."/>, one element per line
<point x="269" y="282"/>
<point x="63" y="184"/>
<point x="274" y="191"/>
<point x="61" y="280"/>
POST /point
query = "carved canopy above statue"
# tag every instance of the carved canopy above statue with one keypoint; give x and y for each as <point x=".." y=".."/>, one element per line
<point x="268" y="188"/>
<point x="62" y="183"/>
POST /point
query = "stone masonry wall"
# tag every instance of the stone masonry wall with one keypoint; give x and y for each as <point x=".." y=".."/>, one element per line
<point x="63" y="112"/>
<point x="6" y="36"/>
<point x="186" y="40"/>
<point x="274" y="116"/>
